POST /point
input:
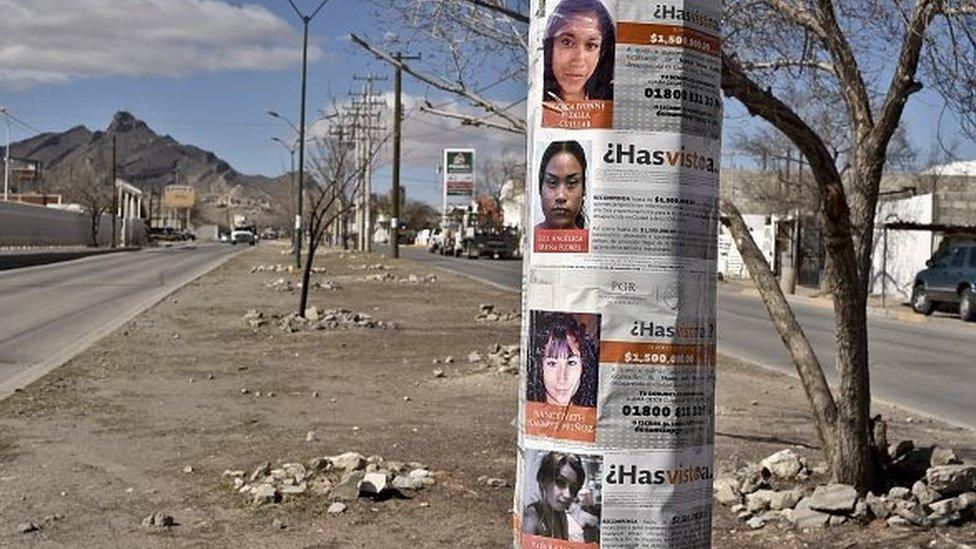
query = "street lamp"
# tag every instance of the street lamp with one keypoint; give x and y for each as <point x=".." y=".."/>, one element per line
<point x="274" y="114"/>
<point x="306" y="19"/>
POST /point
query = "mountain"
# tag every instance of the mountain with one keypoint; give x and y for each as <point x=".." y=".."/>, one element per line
<point x="151" y="161"/>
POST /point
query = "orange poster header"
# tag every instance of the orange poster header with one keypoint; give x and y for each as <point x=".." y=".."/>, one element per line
<point x="538" y="542"/>
<point x="657" y="354"/>
<point x="646" y="34"/>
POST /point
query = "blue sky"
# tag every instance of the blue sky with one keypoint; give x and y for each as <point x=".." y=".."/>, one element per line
<point x="205" y="72"/>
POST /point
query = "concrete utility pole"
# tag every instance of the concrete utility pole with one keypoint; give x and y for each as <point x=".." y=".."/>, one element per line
<point x="115" y="196"/>
<point x="6" y="155"/>
<point x="397" y="120"/>
<point x="306" y="19"/>
<point x="363" y="113"/>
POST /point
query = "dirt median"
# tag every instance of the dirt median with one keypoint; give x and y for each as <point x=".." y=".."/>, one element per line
<point x="149" y="418"/>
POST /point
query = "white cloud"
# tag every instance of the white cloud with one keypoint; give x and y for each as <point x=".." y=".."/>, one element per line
<point x="55" y="41"/>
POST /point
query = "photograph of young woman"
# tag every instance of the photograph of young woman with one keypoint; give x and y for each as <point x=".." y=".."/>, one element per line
<point x="578" y="51"/>
<point x="564" y="510"/>
<point x="563" y="368"/>
<point x="562" y="186"/>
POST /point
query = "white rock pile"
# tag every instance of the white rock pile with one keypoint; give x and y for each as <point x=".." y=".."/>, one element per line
<point x="487" y="313"/>
<point x="279" y="268"/>
<point x="371" y="267"/>
<point x="285" y="285"/>
<point x="314" y="319"/>
<point x="254" y="318"/>
<point x="411" y="279"/>
<point x="944" y="492"/>
<point x="339" y="478"/>
<point x="504" y="359"/>
<point x="330" y="319"/>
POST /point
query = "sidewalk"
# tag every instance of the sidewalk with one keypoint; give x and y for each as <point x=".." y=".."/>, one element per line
<point x="16" y="258"/>
<point x="148" y="419"/>
<point x="895" y="308"/>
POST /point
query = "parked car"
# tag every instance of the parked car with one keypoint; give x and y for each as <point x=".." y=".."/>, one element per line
<point x="948" y="282"/>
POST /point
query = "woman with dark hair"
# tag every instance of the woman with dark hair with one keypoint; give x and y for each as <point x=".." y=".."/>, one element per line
<point x="578" y="50"/>
<point x="562" y="367"/>
<point x="560" y="477"/>
<point x="562" y="186"/>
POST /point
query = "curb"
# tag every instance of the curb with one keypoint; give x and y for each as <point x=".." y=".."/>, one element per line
<point x="873" y="312"/>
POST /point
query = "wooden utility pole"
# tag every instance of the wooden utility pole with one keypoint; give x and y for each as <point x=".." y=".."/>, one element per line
<point x="397" y="120"/>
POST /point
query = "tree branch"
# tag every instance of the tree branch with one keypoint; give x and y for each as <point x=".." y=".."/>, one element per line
<point x="766" y="105"/>
<point x="440" y="83"/>
<point x="804" y="358"/>
<point x="903" y="82"/>
<point x="787" y="63"/>
<point x="468" y="120"/>
<point x="799" y="15"/>
<point x="520" y="17"/>
<point x="848" y="71"/>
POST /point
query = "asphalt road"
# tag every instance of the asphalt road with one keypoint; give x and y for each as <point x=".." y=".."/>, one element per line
<point x="50" y="313"/>
<point x="927" y="367"/>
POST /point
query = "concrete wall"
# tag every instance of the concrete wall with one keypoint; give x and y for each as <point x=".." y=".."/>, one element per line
<point x="893" y="270"/>
<point x="730" y="262"/>
<point x="27" y="225"/>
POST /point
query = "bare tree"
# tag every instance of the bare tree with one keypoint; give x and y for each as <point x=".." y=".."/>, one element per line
<point x="498" y="170"/>
<point x="863" y="59"/>
<point x="330" y="194"/>
<point x="94" y="194"/>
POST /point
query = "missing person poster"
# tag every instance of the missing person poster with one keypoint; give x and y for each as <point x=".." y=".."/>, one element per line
<point x="616" y="418"/>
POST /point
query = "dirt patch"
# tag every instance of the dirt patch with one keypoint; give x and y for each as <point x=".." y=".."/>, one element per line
<point x="106" y="440"/>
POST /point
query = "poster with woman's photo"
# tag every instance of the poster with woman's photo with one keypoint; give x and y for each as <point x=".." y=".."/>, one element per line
<point x="562" y="375"/>
<point x="559" y="205"/>
<point x="578" y="56"/>
<point x="560" y="500"/>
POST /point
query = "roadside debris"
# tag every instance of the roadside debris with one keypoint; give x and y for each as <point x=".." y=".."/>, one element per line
<point x="371" y="267"/>
<point x="338" y="478"/>
<point x="487" y="313"/>
<point x="285" y="285"/>
<point x="279" y="268"/>
<point x="314" y="319"/>
<point x="504" y="359"/>
<point x="933" y="488"/>
<point x="28" y="527"/>
<point x="411" y="279"/>
<point x="159" y="520"/>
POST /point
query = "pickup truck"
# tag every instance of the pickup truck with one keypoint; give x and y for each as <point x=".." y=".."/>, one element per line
<point x="242" y="235"/>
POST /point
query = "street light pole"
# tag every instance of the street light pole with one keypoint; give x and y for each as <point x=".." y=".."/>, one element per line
<point x="296" y="237"/>
<point x="6" y="156"/>
<point x="306" y="19"/>
<point x="291" y="171"/>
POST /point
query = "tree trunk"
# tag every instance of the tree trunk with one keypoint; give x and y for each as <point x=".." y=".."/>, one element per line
<point x="307" y="273"/>
<point x="852" y="464"/>
<point x="94" y="230"/>
<point x="807" y="366"/>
